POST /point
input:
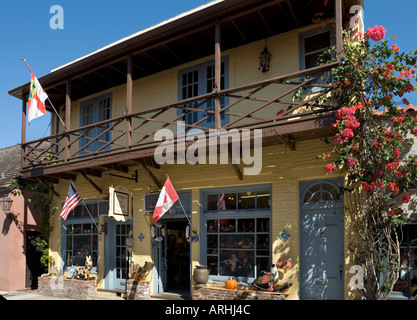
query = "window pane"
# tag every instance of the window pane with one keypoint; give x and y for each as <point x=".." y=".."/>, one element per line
<point x="311" y="59"/>
<point x="76" y="228"/>
<point x="212" y="200"/>
<point x="262" y="225"/>
<point x="262" y="244"/>
<point x="412" y="233"/>
<point x="230" y="201"/>
<point x="212" y="247"/>
<point x="212" y="225"/>
<point x="246" y="225"/>
<point x="86" y="228"/>
<point x="263" y="199"/>
<point x="238" y="263"/>
<point x="212" y="265"/>
<point x="262" y="264"/>
<point x="227" y="225"/>
<point x="78" y="212"/>
<point x="247" y="200"/>
<point x="317" y="42"/>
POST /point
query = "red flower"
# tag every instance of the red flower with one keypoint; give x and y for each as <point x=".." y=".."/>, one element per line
<point x="396" y="153"/>
<point x="351" y="161"/>
<point x="394" y="48"/>
<point x="348" y="133"/>
<point x="376" y="33"/>
<point x="392" y="165"/>
<point x="329" y="168"/>
<point x="378" y="145"/>
<point x="406" y="198"/>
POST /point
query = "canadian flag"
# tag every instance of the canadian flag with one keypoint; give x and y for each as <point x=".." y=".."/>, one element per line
<point x="166" y="199"/>
<point x="221" y="205"/>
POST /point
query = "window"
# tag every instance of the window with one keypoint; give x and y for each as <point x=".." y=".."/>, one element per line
<point x="236" y="232"/>
<point x="92" y="111"/>
<point x="407" y="283"/>
<point x="198" y="80"/>
<point x="81" y="235"/>
<point x="81" y="242"/>
<point x="312" y="45"/>
<point x="321" y="192"/>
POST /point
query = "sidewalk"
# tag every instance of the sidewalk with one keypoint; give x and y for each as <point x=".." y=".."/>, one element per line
<point x="25" y="295"/>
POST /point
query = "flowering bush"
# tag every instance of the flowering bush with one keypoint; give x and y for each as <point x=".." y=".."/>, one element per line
<point x="371" y="139"/>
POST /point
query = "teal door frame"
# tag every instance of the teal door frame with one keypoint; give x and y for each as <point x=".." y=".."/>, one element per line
<point x="321" y="243"/>
<point x="116" y="265"/>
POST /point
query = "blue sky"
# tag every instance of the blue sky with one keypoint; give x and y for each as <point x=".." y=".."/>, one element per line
<point x="92" y="24"/>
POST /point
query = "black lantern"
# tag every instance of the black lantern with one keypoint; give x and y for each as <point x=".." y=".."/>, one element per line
<point x="264" y="60"/>
<point x="6" y="204"/>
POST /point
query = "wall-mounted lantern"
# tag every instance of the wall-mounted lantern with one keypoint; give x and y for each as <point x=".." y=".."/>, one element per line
<point x="265" y="60"/>
<point x="6" y="204"/>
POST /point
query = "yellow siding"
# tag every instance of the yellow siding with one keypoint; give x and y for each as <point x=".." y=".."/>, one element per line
<point x="162" y="88"/>
<point x="282" y="168"/>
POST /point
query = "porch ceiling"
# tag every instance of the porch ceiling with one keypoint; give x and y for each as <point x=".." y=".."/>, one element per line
<point x="178" y="41"/>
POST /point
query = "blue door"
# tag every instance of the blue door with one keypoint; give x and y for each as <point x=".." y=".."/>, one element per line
<point x="321" y="241"/>
<point x="117" y="267"/>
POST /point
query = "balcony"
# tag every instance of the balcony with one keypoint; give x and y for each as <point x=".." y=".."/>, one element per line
<point x="129" y="139"/>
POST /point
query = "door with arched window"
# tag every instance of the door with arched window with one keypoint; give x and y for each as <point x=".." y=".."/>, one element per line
<point x="321" y="240"/>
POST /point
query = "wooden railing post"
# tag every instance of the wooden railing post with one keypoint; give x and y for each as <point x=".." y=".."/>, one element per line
<point x="339" y="30"/>
<point x="67" y="119"/>
<point x="23" y="138"/>
<point x="129" y="98"/>
<point x="217" y="76"/>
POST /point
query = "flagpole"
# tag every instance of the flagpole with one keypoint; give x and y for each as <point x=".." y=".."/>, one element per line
<point x="63" y="123"/>
<point x="184" y="211"/>
<point x="182" y="206"/>
<point x="90" y="215"/>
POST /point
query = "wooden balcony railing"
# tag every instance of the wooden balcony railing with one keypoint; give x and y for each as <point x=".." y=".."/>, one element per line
<point x="258" y="105"/>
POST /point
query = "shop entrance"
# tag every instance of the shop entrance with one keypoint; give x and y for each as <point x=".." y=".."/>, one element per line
<point x="173" y="259"/>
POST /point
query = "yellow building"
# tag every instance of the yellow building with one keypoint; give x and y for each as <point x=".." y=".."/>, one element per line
<point x="232" y="65"/>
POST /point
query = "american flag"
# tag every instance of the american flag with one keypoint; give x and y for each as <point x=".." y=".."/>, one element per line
<point x="72" y="200"/>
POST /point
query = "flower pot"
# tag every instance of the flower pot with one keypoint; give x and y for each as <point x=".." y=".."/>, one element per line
<point x="201" y="274"/>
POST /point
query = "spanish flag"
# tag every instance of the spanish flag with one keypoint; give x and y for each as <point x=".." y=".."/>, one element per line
<point x="37" y="97"/>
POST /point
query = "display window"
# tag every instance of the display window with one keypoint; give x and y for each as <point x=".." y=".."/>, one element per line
<point x="236" y="235"/>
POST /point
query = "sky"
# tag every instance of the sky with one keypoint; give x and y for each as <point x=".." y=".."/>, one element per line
<point x="92" y="24"/>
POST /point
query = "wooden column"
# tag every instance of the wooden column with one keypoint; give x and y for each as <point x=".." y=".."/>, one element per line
<point x="339" y="29"/>
<point x="23" y="138"/>
<point x="217" y="75"/>
<point x="67" y="119"/>
<point x="129" y="100"/>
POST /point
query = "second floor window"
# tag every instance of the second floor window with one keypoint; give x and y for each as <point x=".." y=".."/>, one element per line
<point x="198" y="80"/>
<point x="94" y="111"/>
<point x="313" y="45"/>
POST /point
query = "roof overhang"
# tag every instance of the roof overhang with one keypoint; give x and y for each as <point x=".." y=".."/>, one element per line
<point x="176" y="41"/>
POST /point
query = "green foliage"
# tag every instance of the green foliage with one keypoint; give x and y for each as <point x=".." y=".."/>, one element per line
<point x="42" y="203"/>
<point x="370" y="145"/>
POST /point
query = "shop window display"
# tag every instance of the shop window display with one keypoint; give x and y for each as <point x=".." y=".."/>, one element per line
<point x="238" y="233"/>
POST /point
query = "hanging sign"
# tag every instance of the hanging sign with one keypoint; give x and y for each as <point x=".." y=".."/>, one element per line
<point x="119" y="204"/>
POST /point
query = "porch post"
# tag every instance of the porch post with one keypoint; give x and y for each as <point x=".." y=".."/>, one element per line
<point x="339" y="28"/>
<point x="217" y="75"/>
<point x="129" y="93"/>
<point x="23" y="138"/>
<point x="67" y="119"/>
